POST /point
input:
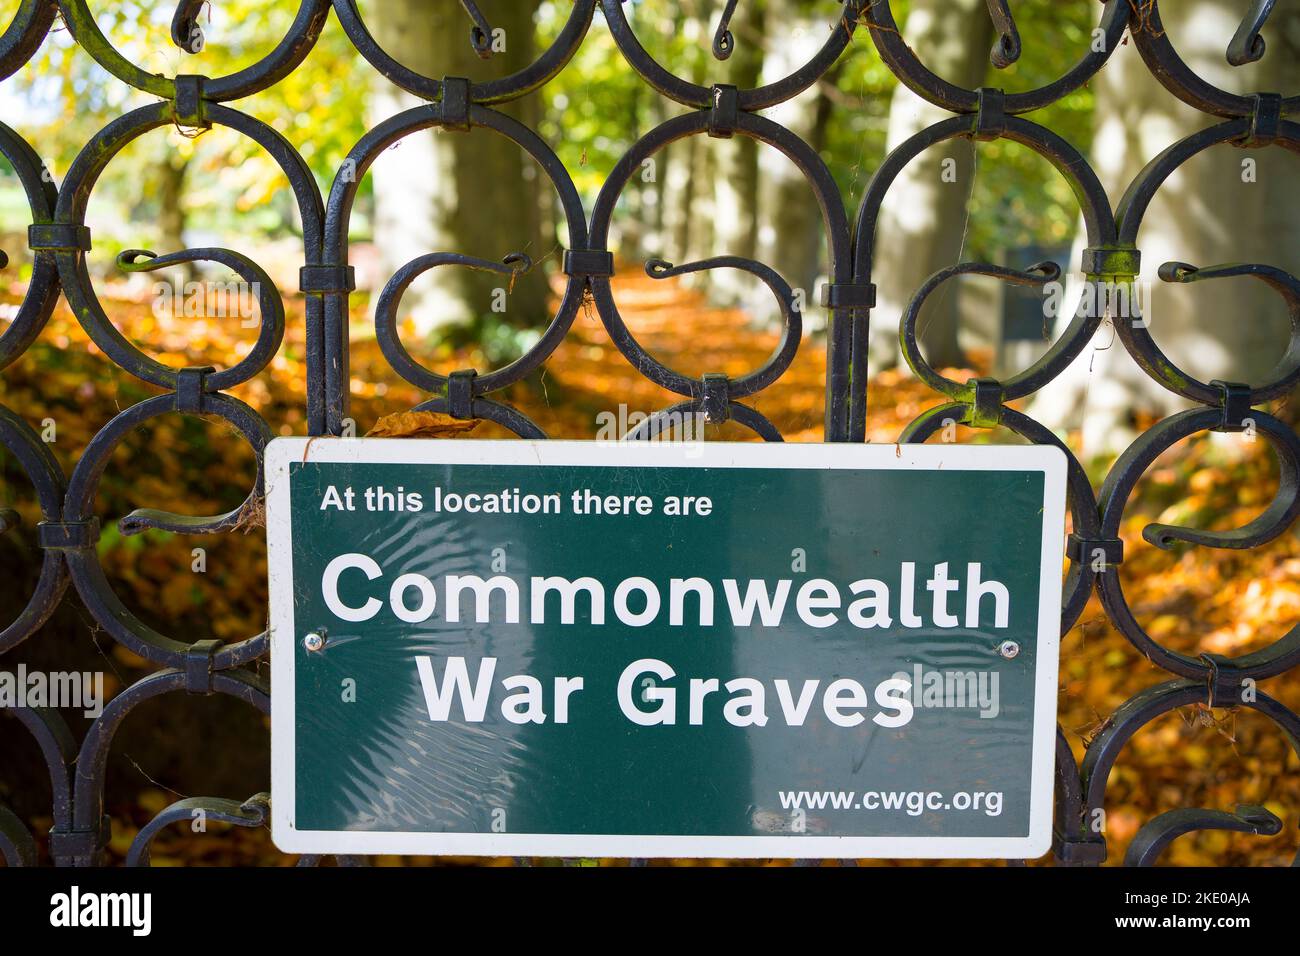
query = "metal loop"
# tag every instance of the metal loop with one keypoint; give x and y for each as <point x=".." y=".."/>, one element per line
<point x="724" y="44"/>
<point x="1247" y="45"/>
<point x="1158" y="832"/>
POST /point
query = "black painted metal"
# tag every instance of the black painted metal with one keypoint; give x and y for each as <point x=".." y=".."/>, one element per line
<point x="60" y="241"/>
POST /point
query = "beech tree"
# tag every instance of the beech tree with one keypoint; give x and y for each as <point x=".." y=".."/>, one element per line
<point x="475" y="193"/>
<point x="1225" y="205"/>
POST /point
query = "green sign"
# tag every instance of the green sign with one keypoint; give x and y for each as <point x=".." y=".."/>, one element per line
<point x="663" y="649"/>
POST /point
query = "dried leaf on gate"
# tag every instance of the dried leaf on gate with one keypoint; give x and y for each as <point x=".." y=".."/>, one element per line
<point x="420" y="425"/>
<point x="252" y="515"/>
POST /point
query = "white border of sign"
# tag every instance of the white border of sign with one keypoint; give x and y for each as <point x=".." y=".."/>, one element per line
<point x="282" y="451"/>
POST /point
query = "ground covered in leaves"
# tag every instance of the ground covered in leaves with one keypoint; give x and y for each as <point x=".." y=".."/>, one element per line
<point x="1194" y="600"/>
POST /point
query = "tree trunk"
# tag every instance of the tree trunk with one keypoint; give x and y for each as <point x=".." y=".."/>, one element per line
<point x="735" y="192"/>
<point x="791" y="233"/>
<point x="685" y="166"/>
<point x="701" y="234"/>
<point x="922" y="225"/>
<point x="171" y="171"/>
<point x="475" y="193"/>
<point x="1205" y="214"/>
<point x="675" y="163"/>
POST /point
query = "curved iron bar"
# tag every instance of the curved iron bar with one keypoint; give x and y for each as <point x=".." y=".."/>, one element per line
<point x="724" y="44"/>
<point x="539" y="72"/>
<point x="1098" y="220"/>
<point x="1099" y="225"/>
<point x="1036" y="276"/>
<point x="1150" y="704"/>
<point x="1006" y="48"/>
<point x="17" y="847"/>
<point x="59" y="751"/>
<point x="1178" y="78"/>
<point x="1246" y="45"/>
<point x="43" y="287"/>
<point x="1286" y="373"/>
<point x="1129" y="214"/>
<point x="669" y="418"/>
<point x="266" y="72"/>
<point x="339" y="210"/>
<point x="390" y="343"/>
<point x="840" y="337"/>
<point x="79" y="510"/>
<point x="271" y="319"/>
<point x="791" y="325"/>
<point x="25" y="34"/>
<point x="904" y="63"/>
<point x="1118" y="486"/>
<point x="1083" y="503"/>
<point x="480" y="34"/>
<point x="693" y="94"/>
<point x="489" y="411"/>
<point x="1068" y="821"/>
<point x="253" y="812"/>
<point x="75" y="194"/>
<point x="92" y="760"/>
<point x="1270" y="523"/>
<point x="37" y="462"/>
<point x="1156" y="835"/>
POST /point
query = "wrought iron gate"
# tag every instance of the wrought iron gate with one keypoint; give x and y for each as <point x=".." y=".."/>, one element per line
<point x="60" y="240"/>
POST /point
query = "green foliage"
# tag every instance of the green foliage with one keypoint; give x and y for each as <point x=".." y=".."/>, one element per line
<point x="591" y="113"/>
<point x="597" y="107"/>
<point x="859" y="123"/>
<point x="1019" y="198"/>
<point x="231" y="184"/>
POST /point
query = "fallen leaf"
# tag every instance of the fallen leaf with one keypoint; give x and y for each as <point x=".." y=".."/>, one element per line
<point x="420" y="425"/>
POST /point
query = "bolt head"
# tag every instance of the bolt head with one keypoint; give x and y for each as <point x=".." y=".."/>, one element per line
<point x="1009" y="649"/>
<point x="314" y="641"/>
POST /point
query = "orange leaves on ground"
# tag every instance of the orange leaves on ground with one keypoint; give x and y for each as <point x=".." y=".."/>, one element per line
<point x="1191" y="599"/>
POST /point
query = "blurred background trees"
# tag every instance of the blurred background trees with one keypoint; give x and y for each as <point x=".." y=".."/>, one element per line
<point x="1225" y="205"/>
<point x="475" y="193"/>
<point x="479" y="194"/>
